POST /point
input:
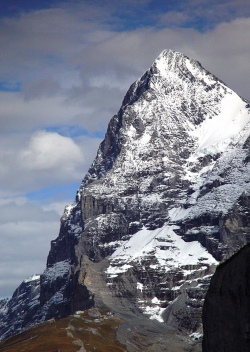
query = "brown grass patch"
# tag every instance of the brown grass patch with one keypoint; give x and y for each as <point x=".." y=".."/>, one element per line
<point x="95" y="334"/>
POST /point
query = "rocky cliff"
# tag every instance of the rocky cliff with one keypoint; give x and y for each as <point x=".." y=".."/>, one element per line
<point x="166" y="199"/>
<point x="226" y="314"/>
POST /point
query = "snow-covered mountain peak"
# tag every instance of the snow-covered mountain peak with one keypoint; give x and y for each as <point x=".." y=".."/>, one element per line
<point x="170" y="62"/>
<point x="171" y="117"/>
<point x="166" y="198"/>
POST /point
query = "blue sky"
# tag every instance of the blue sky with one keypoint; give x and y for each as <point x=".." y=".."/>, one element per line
<point x="65" y="67"/>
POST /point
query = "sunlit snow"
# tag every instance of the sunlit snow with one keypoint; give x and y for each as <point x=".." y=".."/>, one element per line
<point x="218" y="129"/>
<point x="32" y="278"/>
<point x="170" y="250"/>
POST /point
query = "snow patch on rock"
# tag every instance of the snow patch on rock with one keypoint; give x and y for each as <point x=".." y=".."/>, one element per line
<point x="59" y="269"/>
<point x="169" y="249"/>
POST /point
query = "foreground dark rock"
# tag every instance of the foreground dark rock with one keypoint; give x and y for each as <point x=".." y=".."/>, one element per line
<point x="226" y="314"/>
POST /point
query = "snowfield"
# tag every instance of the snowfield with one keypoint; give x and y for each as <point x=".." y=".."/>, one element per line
<point x="168" y="248"/>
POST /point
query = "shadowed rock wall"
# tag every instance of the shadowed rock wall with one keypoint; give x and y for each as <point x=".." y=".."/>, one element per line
<point x="226" y="312"/>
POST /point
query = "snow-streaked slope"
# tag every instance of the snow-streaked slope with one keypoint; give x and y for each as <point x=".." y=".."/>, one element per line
<point x="218" y="130"/>
<point x="165" y="245"/>
<point x="59" y="269"/>
<point x="231" y="171"/>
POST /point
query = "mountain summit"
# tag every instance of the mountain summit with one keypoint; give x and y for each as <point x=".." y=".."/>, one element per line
<point x="165" y="200"/>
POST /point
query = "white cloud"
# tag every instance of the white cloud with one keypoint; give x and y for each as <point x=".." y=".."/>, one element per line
<point x="16" y="201"/>
<point x="43" y="159"/>
<point x="49" y="150"/>
<point x="24" y="249"/>
<point x="57" y="206"/>
<point x="174" y="18"/>
<point x="25" y="234"/>
<point x="18" y="114"/>
<point x="207" y="14"/>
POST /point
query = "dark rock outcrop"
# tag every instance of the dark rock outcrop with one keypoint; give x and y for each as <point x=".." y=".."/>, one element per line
<point x="19" y="311"/>
<point x="226" y="312"/>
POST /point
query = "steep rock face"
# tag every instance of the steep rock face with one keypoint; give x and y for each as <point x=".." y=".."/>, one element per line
<point x="18" y="312"/>
<point x="165" y="199"/>
<point x="226" y="315"/>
